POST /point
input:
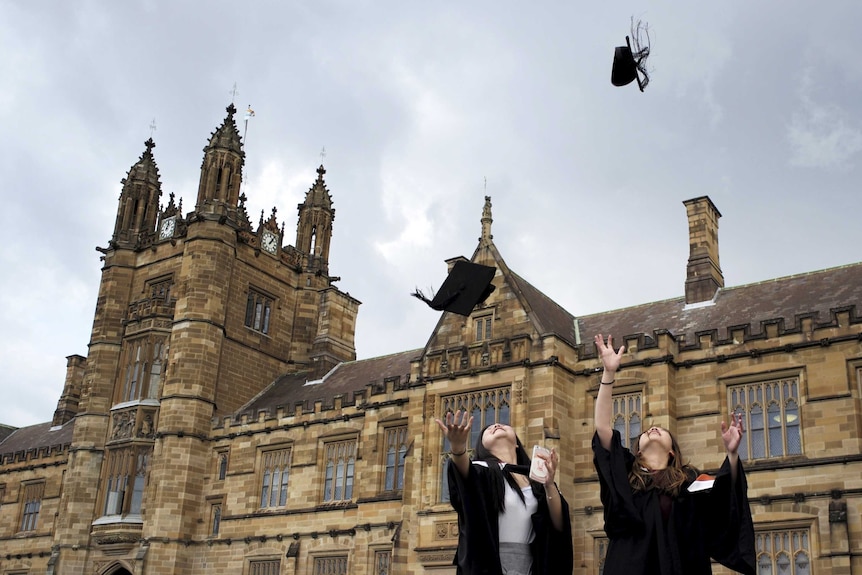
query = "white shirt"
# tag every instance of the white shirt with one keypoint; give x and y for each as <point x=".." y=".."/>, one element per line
<point x="515" y="524"/>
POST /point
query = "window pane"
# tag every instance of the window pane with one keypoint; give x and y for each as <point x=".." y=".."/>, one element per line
<point x="264" y="492"/>
<point x="327" y="483"/>
<point x="348" y="489"/>
<point x="776" y="443"/>
<point x="137" y="494"/>
<point x="764" y="565"/>
<point x="216" y="519"/>
<point x="758" y="439"/>
<point x="249" y="310"/>
<point x="486" y="407"/>
<point x="389" y="482"/>
<point x="791" y="416"/>
<point x="222" y="466"/>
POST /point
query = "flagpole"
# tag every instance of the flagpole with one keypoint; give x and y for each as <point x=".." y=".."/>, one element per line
<point x="249" y="113"/>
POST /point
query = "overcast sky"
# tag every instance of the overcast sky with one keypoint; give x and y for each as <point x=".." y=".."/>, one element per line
<point x="755" y="104"/>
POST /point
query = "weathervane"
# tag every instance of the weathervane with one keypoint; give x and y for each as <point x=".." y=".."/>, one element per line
<point x="152" y="128"/>
<point x="233" y="93"/>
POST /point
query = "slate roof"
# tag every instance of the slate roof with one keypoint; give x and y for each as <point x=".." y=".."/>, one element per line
<point x="548" y="315"/>
<point x="5" y="431"/>
<point x="36" y="437"/>
<point x="787" y="299"/>
<point x="346" y="378"/>
<point x="783" y="300"/>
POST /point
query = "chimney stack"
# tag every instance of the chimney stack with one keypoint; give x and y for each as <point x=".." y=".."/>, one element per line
<point x="703" y="272"/>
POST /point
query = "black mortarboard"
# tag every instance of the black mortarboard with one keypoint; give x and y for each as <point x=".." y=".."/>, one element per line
<point x="625" y="69"/>
<point x="467" y="286"/>
<point x="630" y="65"/>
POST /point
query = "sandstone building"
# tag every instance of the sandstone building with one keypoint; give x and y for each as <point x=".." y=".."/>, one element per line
<point x="221" y="422"/>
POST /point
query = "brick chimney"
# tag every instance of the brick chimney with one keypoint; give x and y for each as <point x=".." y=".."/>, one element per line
<point x="703" y="272"/>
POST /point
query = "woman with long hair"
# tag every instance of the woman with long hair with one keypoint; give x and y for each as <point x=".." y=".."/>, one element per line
<point x="508" y="523"/>
<point x="658" y="518"/>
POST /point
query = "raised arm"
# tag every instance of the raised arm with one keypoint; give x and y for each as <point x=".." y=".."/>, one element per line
<point x="457" y="430"/>
<point x="732" y="437"/>
<point x="604" y="399"/>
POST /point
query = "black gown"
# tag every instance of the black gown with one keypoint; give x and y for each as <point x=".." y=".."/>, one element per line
<point x="715" y="523"/>
<point x="479" y="538"/>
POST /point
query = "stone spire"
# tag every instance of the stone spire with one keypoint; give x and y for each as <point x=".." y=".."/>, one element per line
<point x="314" y="229"/>
<point x="139" y="202"/>
<point x="221" y="170"/>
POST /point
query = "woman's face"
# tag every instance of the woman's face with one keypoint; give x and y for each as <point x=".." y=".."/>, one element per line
<point x="498" y="433"/>
<point x="655" y="436"/>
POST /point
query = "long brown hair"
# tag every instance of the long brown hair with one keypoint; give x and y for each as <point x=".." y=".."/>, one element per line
<point x="668" y="480"/>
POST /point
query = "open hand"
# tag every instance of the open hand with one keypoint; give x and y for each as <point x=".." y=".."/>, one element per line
<point x="732" y="436"/>
<point x="457" y="429"/>
<point x="610" y="358"/>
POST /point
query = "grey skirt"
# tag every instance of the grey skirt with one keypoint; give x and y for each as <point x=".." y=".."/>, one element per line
<point x="516" y="559"/>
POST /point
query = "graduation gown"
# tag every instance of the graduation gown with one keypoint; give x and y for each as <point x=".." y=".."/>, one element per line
<point x="479" y="538"/>
<point x="713" y="523"/>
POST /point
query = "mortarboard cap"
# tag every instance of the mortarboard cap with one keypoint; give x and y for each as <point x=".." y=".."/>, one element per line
<point x="625" y="70"/>
<point x="630" y="63"/>
<point x="466" y="286"/>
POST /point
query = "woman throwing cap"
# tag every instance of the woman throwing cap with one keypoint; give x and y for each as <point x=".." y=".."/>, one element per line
<point x="657" y="519"/>
<point x="508" y="524"/>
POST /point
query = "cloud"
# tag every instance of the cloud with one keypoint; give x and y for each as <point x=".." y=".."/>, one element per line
<point x="821" y="134"/>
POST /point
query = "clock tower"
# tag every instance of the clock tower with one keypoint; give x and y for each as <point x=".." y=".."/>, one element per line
<point x="197" y="313"/>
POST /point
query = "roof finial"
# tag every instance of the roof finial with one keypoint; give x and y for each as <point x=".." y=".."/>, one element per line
<point x="322" y="154"/>
<point x="486" y="221"/>
<point x="233" y="93"/>
<point x="152" y="128"/>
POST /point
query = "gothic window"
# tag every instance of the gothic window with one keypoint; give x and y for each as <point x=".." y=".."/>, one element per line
<point x="486" y="406"/>
<point x="626" y="416"/>
<point x="144" y="367"/>
<point x="126" y="480"/>
<point x="770" y="412"/>
<point x="783" y="552"/>
<point x="266" y="567"/>
<point x="258" y="311"/>
<point x="221" y="463"/>
<point x="395" y="442"/>
<point x="330" y="565"/>
<point x="31" y="505"/>
<point x="340" y="457"/>
<point x="215" y="518"/>
<point x="482" y="327"/>
<point x="382" y="560"/>
<point x="276" y="473"/>
<point x="601" y="551"/>
<point x="161" y="289"/>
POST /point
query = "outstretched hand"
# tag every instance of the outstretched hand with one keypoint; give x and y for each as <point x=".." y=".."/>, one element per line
<point x="610" y="358"/>
<point x="732" y="436"/>
<point x="457" y="429"/>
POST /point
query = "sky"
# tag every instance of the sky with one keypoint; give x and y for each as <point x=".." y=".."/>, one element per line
<point x="418" y="111"/>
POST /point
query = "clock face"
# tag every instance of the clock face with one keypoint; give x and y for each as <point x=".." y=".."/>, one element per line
<point x="269" y="242"/>
<point x="167" y="229"/>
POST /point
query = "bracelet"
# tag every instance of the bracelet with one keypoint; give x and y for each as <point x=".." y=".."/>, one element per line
<point x="461" y="453"/>
<point x="611" y="382"/>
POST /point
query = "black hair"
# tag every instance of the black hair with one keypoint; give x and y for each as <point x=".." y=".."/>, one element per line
<point x="498" y="491"/>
